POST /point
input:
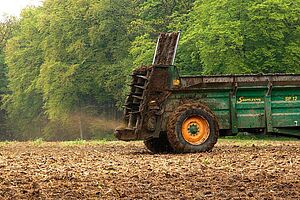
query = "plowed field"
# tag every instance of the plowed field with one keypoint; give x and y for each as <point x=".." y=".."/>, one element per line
<point x="117" y="170"/>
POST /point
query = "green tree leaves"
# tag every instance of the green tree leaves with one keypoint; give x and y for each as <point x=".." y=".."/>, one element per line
<point x="24" y="57"/>
<point x="72" y="57"/>
<point x="67" y="55"/>
<point x="272" y="37"/>
<point x="153" y="17"/>
<point x="246" y="36"/>
<point x="6" y="31"/>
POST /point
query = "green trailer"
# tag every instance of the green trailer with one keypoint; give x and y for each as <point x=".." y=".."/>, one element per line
<point x="178" y="113"/>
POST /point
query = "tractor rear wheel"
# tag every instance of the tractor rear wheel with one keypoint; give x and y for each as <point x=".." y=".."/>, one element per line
<point x="158" y="145"/>
<point x="192" y="128"/>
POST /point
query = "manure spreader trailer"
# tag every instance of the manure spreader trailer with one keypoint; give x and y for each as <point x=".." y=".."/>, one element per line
<point x="175" y="113"/>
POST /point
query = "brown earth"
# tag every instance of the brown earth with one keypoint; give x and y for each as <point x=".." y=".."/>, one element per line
<point x="117" y="170"/>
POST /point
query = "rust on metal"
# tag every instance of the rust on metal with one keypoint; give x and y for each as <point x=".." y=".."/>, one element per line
<point x="227" y="80"/>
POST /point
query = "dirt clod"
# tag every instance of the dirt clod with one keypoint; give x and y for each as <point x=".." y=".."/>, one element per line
<point x="118" y="170"/>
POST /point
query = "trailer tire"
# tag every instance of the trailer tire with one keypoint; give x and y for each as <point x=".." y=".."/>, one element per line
<point x="158" y="145"/>
<point x="192" y="128"/>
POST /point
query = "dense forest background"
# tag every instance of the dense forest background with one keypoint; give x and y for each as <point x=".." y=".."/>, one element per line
<point x="64" y="66"/>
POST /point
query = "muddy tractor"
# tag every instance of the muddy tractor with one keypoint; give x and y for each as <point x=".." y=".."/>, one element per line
<point x="175" y="113"/>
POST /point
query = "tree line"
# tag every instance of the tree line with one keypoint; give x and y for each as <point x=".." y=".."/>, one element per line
<point x="65" y="64"/>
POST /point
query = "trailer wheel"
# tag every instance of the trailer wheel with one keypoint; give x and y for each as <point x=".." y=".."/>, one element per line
<point x="192" y="128"/>
<point x="158" y="145"/>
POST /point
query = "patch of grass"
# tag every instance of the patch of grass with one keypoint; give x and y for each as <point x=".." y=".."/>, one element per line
<point x="38" y="141"/>
<point x="83" y="142"/>
<point x="41" y="142"/>
<point x="206" y="161"/>
<point x="250" y="140"/>
<point x="74" y="143"/>
<point x="106" y="137"/>
<point x="4" y="143"/>
<point x="243" y="136"/>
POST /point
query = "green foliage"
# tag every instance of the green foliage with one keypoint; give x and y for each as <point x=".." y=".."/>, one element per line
<point x="24" y="57"/>
<point x="7" y="27"/>
<point x="246" y="37"/>
<point x="58" y="84"/>
<point x="63" y="62"/>
<point x="6" y="30"/>
<point x="3" y="72"/>
<point x="157" y="16"/>
<point x="38" y="142"/>
<point x="85" y="47"/>
<point x="272" y="36"/>
<point x="251" y="137"/>
<point x="142" y="50"/>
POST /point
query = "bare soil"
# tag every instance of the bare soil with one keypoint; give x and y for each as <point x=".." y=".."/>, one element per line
<point x="117" y="170"/>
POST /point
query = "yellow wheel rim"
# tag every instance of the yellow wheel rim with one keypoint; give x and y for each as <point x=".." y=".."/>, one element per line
<point x="195" y="130"/>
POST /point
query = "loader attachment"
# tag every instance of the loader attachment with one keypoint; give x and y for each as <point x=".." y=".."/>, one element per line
<point x="148" y="90"/>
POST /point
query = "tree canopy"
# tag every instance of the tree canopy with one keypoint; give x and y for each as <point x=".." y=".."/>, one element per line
<point x="234" y="36"/>
<point x="69" y="59"/>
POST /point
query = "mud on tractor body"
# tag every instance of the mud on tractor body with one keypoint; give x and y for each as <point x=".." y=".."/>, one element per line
<point x="165" y="125"/>
<point x="174" y="113"/>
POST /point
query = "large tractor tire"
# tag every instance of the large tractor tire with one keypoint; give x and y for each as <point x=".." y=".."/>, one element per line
<point x="158" y="145"/>
<point x="192" y="128"/>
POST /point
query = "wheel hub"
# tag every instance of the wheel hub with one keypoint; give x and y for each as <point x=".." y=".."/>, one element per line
<point x="193" y="129"/>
